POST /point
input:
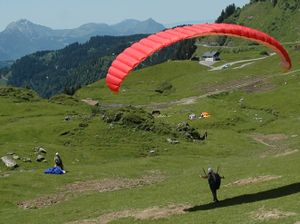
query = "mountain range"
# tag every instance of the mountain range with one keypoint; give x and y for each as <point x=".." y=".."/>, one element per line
<point x="24" y="37"/>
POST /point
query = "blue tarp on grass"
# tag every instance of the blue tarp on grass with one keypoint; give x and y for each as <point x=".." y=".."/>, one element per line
<point x="54" y="170"/>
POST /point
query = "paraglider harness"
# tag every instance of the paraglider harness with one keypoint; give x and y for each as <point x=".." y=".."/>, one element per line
<point x="216" y="178"/>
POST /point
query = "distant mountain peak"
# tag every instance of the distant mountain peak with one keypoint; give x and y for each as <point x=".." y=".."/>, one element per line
<point x="27" y="27"/>
<point x="24" y="22"/>
<point x="21" y="22"/>
<point x="150" y="20"/>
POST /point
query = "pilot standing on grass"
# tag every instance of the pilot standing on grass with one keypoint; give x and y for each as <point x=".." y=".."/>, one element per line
<point x="214" y="182"/>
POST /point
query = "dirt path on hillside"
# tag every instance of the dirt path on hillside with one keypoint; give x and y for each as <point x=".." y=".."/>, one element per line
<point x="91" y="186"/>
<point x="243" y="65"/>
<point x="211" y="90"/>
<point x="252" y="84"/>
<point x="287" y="152"/>
<point x="146" y="214"/>
<point x="208" y="91"/>
<point x="269" y="140"/>
<point x="252" y="180"/>
<point x="241" y="61"/>
<point x="277" y="144"/>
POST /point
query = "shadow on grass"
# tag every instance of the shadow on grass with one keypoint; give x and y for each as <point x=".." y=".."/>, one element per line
<point x="249" y="198"/>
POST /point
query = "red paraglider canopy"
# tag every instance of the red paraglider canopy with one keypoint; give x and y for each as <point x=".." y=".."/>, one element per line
<point x="139" y="51"/>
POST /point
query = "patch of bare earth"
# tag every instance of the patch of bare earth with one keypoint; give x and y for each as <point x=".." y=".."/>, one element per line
<point x="276" y="143"/>
<point x="259" y="87"/>
<point x="286" y="153"/>
<point x="115" y="184"/>
<point x="232" y="85"/>
<point x="263" y="214"/>
<point x="91" y="102"/>
<point x="44" y="201"/>
<point x="86" y="187"/>
<point x="252" y="180"/>
<point x="269" y="140"/>
<point x="4" y="175"/>
<point x="146" y="214"/>
<point x="210" y="90"/>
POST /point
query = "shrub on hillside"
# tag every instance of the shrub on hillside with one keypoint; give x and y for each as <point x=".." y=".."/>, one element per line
<point x="264" y="53"/>
<point x="64" y="99"/>
<point x="136" y="118"/>
<point x="130" y="117"/>
<point x="139" y="119"/>
<point x="19" y="94"/>
<point x="164" y="88"/>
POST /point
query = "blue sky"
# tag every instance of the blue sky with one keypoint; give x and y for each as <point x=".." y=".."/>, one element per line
<point x="60" y="14"/>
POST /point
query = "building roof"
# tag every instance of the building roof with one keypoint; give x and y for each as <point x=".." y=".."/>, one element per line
<point x="210" y="54"/>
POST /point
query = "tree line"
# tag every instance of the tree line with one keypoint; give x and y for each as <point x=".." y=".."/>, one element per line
<point x="77" y="65"/>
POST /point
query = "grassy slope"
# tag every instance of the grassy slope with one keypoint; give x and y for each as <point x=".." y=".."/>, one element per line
<point x="278" y="21"/>
<point x="188" y="78"/>
<point x="98" y="151"/>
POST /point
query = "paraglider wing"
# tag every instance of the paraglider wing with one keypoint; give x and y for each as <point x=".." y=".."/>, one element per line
<point x="139" y="51"/>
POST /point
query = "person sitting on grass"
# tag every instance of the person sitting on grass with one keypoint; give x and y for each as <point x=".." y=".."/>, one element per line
<point x="58" y="161"/>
